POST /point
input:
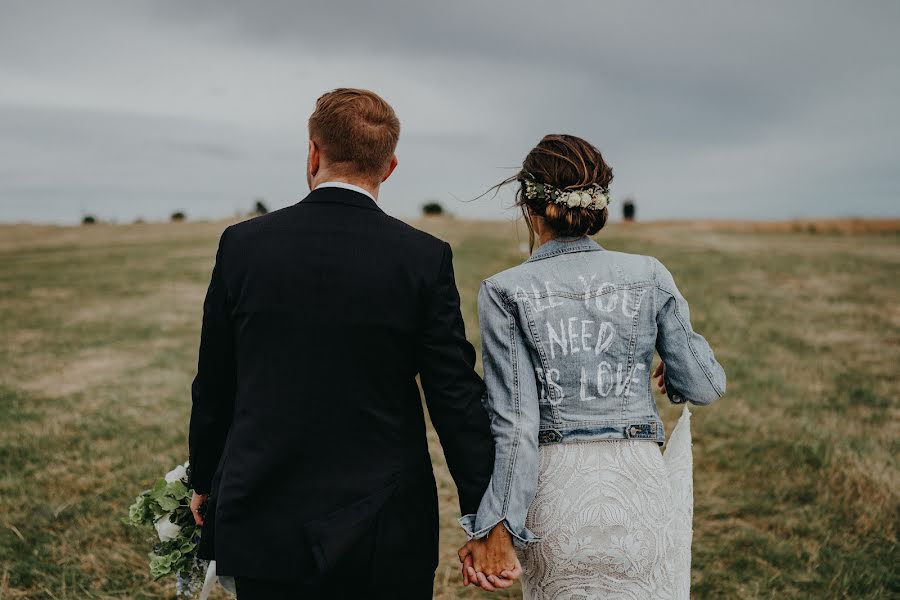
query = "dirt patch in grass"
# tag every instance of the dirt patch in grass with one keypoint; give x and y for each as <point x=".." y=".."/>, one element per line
<point x="168" y="304"/>
<point x="89" y="369"/>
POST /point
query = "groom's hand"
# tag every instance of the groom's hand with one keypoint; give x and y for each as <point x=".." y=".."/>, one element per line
<point x="197" y="501"/>
<point x="490" y="563"/>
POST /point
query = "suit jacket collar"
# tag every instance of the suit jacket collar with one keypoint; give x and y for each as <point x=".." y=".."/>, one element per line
<point x="343" y="196"/>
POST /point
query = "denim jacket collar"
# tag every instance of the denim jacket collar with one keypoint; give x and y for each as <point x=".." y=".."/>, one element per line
<point x="564" y="245"/>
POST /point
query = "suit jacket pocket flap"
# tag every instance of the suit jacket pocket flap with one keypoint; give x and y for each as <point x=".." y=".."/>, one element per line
<point x="334" y="535"/>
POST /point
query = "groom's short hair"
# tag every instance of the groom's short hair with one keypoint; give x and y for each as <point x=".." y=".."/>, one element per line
<point x="356" y="130"/>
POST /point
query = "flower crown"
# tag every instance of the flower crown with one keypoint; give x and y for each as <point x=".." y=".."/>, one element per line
<point x="594" y="197"/>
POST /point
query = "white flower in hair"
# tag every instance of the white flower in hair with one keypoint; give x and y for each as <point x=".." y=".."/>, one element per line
<point x="593" y="198"/>
<point x="601" y="201"/>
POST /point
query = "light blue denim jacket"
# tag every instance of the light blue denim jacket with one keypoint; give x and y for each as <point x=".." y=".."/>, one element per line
<point x="567" y="343"/>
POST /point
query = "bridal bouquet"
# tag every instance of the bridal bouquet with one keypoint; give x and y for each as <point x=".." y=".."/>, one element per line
<point x="166" y="508"/>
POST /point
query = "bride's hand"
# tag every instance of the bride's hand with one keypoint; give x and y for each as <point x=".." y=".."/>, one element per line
<point x="660" y="375"/>
<point x="490" y="563"/>
<point x="490" y="583"/>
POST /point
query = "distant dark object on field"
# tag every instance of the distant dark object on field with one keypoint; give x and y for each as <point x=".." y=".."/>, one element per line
<point x="807" y="227"/>
<point x="628" y="210"/>
<point x="432" y="209"/>
<point x="139" y="221"/>
<point x="88" y="220"/>
<point x="178" y="216"/>
<point x="260" y="208"/>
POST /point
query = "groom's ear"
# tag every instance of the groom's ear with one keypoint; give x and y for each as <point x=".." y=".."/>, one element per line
<point x="314" y="157"/>
<point x="391" y="168"/>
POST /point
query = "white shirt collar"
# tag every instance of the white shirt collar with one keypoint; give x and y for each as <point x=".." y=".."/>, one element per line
<point x="346" y="186"/>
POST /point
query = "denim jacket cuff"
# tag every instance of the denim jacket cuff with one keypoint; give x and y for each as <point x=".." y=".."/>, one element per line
<point x="674" y="397"/>
<point x="520" y="538"/>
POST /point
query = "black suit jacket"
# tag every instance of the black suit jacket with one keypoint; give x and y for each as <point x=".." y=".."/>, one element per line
<point x="307" y="426"/>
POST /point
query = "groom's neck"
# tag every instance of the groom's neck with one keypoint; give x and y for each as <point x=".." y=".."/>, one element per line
<point x="366" y="184"/>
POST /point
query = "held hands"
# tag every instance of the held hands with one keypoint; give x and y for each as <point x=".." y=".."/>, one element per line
<point x="491" y="562"/>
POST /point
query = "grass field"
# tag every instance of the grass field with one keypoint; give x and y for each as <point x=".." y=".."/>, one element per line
<point x="796" y="476"/>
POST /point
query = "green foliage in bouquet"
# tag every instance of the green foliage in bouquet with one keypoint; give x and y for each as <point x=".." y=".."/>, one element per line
<point x="166" y="508"/>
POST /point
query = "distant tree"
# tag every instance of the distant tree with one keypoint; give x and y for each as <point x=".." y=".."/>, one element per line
<point x="628" y="210"/>
<point x="178" y="216"/>
<point x="432" y="209"/>
<point x="260" y="208"/>
<point x="88" y="220"/>
<point x="139" y="221"/>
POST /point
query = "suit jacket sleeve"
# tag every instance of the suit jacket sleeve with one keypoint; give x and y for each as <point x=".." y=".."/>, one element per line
<point x="453" y="389"/>
<point x="213" y="389"/>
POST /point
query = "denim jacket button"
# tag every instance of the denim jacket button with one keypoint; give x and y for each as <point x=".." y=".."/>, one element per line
<point x="550" y="436"/>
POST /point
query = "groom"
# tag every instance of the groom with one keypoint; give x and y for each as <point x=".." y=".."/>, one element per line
<point x="308" y="449"/>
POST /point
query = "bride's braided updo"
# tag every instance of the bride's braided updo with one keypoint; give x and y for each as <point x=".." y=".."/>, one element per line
<point x="565" y="162"/>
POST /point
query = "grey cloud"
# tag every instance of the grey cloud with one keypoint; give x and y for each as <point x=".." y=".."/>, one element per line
<point x="207" y="149"/>
<point x="61" y="163"/>
<point x="759" y="110"/>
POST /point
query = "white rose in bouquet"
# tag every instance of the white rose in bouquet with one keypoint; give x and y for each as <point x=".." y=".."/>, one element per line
<point x="166" y="529"/>
<point x="176" y="474"/>
<point x="574" y="200"/>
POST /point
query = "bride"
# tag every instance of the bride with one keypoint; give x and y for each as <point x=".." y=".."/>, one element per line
<point x="568" y="338"/>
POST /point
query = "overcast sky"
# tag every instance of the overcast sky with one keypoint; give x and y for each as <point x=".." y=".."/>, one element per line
<point x="725" y="109"/>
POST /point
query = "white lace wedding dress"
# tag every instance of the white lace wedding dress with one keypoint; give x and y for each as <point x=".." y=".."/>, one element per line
<point x="615" y="518"/>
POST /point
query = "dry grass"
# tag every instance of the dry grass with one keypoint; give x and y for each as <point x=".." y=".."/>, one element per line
<point x="797" y="485"/>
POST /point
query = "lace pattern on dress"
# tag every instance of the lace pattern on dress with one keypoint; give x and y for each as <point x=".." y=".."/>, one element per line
<point x="616" y="521"/>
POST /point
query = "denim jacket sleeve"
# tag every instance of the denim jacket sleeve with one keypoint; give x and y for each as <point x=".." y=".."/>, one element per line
<point x="692" y="373"/>
<point x="512" y="402"/>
